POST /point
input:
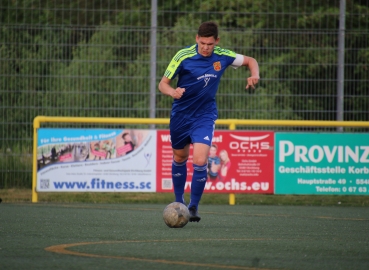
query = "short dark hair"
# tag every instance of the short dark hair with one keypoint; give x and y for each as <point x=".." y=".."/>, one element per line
<point x="208" y="29"/>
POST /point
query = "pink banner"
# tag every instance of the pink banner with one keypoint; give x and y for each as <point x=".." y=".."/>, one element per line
<point x="239" y="161"/>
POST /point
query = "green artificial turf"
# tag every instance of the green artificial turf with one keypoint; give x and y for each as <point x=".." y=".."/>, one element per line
<point x="134" y="236"/>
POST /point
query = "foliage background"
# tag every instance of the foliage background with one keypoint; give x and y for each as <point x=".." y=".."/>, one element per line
<point x="92" y="58"/>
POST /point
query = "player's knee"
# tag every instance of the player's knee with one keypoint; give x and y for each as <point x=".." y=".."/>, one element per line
<point x="200" y="160"/>
<point x="179" y="164"/>
<point x="179" y="158"/>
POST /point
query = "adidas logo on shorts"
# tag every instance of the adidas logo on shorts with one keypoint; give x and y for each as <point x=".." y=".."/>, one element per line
<point x="207" y="138"/>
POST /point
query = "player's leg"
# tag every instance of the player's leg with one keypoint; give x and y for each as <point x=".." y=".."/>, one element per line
<point x="200" y="155"/>
<point x="179" y="172"/>
<point x="180" y="140"/>
<point x="201" y="136"/>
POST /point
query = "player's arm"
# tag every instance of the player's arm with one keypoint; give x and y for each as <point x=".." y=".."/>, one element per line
<point x="166" y="89"/>
<point x="253" y="65"/>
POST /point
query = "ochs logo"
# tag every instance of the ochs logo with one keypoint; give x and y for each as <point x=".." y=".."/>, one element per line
<point x="249" y="143"/>
<point x="217" y="66"/>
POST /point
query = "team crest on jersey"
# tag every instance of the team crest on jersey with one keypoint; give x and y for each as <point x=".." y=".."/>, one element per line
<point x="217" y="66"/>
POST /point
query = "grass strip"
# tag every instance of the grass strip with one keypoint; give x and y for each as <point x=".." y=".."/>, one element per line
<point x="25" y="195"/>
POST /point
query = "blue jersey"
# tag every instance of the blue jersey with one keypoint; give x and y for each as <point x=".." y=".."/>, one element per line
<point x="200" y="76"/>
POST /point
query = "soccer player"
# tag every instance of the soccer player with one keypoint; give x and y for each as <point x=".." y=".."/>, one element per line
<point x="194" y="111"/>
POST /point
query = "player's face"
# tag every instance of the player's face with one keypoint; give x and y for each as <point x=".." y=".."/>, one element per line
<point x="206" y="45"/>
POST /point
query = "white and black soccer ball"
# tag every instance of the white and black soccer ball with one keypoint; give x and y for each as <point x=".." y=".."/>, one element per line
<point x="176" y="215"/>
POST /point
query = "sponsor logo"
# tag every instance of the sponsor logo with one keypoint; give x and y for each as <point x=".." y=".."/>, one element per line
<point x="249" y="143"/>
<point x="147" y="157"/>
<point x="207" y="138"/>
<point x="217" y="66"/>
<point x="320" y="153"/>
<point x="206" y="80"/>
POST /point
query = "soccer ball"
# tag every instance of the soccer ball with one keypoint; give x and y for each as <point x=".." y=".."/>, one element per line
<point x="176" y="215"/>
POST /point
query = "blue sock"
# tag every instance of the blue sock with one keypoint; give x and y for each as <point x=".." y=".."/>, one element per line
<point x="179" y="176"/>
<point x="198" y="184"/>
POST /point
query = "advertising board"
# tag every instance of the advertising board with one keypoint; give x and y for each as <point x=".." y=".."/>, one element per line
<point x="243" y="162"/>
<point x="322" y="163"/>
<point x="96" y="160"/>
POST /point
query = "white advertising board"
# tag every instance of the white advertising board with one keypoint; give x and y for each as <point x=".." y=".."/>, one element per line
<point x="96" y="160"/>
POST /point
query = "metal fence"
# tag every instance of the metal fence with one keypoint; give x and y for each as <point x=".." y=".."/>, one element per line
<point x="97" y="59"/>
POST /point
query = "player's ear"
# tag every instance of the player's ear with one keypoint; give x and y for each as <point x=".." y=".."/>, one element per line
<point x="217" y="40"/>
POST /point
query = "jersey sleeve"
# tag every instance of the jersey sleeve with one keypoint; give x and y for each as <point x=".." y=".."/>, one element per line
<point x="175" y="66"/>
<point x="231" y="56"/>
<point x="172" y="69"/>
<point x="238" y="61"/>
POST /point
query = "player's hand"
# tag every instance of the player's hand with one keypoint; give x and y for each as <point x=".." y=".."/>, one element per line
<point x="252" y="81"/>
<point x="178" y="93"/>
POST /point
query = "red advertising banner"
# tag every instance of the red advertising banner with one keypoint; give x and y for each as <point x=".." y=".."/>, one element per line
<point x="239" y="162"/>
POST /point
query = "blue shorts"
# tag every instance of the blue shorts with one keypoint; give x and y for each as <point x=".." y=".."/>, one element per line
<point x="187" y="131"/>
